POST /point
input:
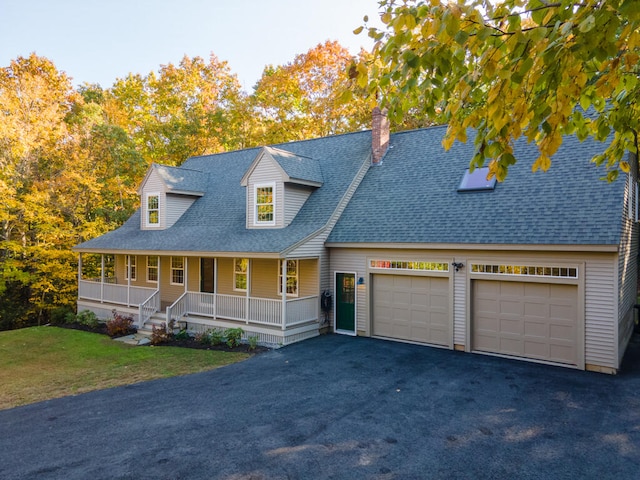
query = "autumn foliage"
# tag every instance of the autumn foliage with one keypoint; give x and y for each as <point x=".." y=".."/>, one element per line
<point x="71" y="159"/>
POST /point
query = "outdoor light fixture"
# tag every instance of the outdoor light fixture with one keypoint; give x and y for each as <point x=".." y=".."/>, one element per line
<point x="457" y="266"/>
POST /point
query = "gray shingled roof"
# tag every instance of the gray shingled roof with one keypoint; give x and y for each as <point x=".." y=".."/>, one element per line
<point x="412" y="197"/>
<point x="297" y="167"/>
<point x="182" y="179"/>
<point x="216" y="221"/>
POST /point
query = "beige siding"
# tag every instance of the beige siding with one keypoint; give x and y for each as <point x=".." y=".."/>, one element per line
<point x="168" y="293"/>
<point x="225" y="277"/>
<point x="193" y="274"/>
<point x="176" y="206"/>
<point x="266" y="171"/>
<point x="264" y="278"/>
<point x="460" y="304"/>
<point x="141" y="274"/>
<point x="600" y="314"/>
<point x="600" y="290"/>
<point x="294" y="198"/>
<point x="308" y="278"/>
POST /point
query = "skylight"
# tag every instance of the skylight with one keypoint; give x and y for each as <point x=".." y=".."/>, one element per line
<point x="477" y="180"/>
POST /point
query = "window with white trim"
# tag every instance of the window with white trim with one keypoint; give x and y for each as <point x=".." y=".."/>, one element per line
<point x="526" y="270"/>
<point x="410" y="265"/>
<point x="177" y="271"/>
<point x="292" y="278"/>
<point x="241" y="266"/>
<point x="131" y="259"/>
<point x="265" y="204"/>
<point x="152" y="269"/>
<point x="153" y="210"/>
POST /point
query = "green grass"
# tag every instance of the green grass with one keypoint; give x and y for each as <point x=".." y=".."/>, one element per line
<point x="40" y="363"/>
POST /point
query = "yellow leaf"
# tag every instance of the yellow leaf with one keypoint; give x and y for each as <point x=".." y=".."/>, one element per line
<point x="624" y="166"/>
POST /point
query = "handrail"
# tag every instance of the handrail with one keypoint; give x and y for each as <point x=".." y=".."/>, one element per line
<point x="181" y="309"/>
<point x="147" y="308"/>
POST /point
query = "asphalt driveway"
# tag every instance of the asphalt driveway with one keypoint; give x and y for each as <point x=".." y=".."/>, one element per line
<point x="340" y="407"/>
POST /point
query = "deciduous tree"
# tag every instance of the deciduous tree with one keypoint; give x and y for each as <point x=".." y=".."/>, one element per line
<point x="512" y="68"/>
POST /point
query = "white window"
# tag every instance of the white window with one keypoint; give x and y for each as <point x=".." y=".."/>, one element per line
<point x="177" y="271"/>
<point x="553" y="271"/>
<point x="292" y="278"/>
<point x="131" y="268"/>
<point x="265" y="203"/>
<point x="241" y="266"/>
<point x="152" y="269"/>
<point x="153" y="210"/>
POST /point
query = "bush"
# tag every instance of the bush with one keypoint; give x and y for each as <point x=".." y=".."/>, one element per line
<point x="59" y="315"/>
<point x="216" y="336"/>
<point x="159" y="335"/>
<point x="88" y="318"/>
<point x="203" y="338"/>
<point x="233" y="336"/>
<point x="253" y="342"/>
<point x="120" y="325"/>
<point x="182" y="335"/>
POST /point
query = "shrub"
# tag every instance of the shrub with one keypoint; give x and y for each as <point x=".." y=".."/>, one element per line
<point x="182" y="335"/>
<point x="88" y="318"/>
<point x="159" y="335"/>
<point x="253" y="342"/>
<point x="203" y="338"/>
<point x="59" y="315"/>
<point x="120" y="325"/>
<point x="216" y="336"/>
<point x="233" y="336"/>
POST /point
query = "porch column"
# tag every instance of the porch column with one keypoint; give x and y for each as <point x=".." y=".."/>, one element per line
<point x="128" y="257"/>
<point x="185" y="261"/>
<point x="158" y="284"/>
<point x="102" y="278"/>
<point x="215" y="287"/>
<point x="283" y="286"/>
<point x="247" y="302"/>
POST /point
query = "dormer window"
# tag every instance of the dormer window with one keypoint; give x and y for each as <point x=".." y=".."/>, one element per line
<point x="264" y="204"/>
<point x="153" y="210"/>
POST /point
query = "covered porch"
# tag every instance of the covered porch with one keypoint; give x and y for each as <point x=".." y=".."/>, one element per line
<point x="269" y="297"/>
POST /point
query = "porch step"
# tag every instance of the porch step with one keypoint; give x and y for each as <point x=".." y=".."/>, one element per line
<point x="157" y="320"/>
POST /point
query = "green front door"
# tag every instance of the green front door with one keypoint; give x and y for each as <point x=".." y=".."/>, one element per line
<point x="346" y="303"/>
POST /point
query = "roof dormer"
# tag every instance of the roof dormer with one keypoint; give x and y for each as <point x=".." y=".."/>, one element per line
<point x="278" y="184"/>
<point x="166" y="193"/>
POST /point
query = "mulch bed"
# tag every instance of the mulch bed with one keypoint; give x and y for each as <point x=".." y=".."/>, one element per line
<point x="173" y="342"/>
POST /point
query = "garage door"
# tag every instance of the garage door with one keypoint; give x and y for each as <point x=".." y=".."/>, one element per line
<point x="411" y="308"/>
<point x="533" y="320"/>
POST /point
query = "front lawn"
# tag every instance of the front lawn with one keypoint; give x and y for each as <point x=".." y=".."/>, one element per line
<point x="40" y="363"/>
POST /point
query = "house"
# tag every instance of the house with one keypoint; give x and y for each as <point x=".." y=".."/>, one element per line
<point x="408" y="243"/>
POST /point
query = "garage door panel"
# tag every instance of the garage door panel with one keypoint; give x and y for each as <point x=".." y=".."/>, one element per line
<point x="511" y="326"/>
<point x="411" y="308"/>
<point x="540" y="323"/>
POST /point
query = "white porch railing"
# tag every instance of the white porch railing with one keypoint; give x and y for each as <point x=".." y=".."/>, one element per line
<point x="146" y="309"/>
<point x="111" y="293"/>
<point x="300" y="310"/>
<point x="264" y="311"/>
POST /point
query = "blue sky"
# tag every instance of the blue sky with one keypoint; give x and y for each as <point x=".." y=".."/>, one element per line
<point x="97" y="41"/>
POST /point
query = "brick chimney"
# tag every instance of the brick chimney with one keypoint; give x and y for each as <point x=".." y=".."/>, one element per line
<point x="379" y="135"/>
